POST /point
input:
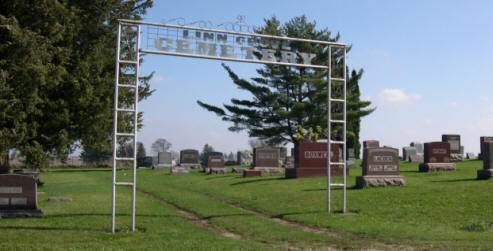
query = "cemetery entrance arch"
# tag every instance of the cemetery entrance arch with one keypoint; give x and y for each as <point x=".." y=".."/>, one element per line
<point x="207" y="43"/>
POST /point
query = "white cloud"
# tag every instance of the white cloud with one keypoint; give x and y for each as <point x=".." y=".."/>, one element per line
<point x="398" y="96"/>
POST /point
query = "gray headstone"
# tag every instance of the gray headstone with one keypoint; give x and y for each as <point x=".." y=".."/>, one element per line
<point x="470" y="156"/>
<point x="408" y="151"/>
<point x="164" y="160"/>
<point x="244" y="157"/>
<point x="419" y="147"/>
<point x="350" y="154"/>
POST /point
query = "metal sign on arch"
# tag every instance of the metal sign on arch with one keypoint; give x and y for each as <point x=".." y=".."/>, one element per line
<point x="136" y="37"/>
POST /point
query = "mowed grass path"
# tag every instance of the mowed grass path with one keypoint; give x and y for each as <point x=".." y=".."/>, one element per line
<point x="434" y="210"/>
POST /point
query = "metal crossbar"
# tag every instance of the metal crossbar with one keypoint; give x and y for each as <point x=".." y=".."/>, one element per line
<point x="330" y="79"/>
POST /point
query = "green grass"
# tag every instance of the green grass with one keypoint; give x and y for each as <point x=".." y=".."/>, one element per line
<point x="85" y="222"/>
<point x="449" y="210"/>
<point x="446" y="209"/>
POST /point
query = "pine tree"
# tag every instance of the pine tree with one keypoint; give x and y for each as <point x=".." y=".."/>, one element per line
<point x="57" y="75"/>
<point x="286" y="98"/>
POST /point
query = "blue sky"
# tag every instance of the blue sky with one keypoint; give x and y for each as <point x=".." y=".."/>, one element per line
<point x="427" y="69"/>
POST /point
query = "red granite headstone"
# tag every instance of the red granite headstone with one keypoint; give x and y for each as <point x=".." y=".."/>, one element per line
<point x="311" y="161"/>
<point x="437" y="152"/>
<point x="251" y="173"/>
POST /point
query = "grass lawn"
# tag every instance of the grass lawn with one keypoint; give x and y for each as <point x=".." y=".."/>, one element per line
<point x="434" y="210"/>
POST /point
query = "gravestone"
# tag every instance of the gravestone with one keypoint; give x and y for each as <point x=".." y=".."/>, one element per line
<point x="189" y="158"/>
<point x="252" y="173"/>
<point x="180" y="170"/>
<point x="350" y="158"/>
<point x="144" y="161"/>
<point x="487" y="154"/>
<point x="266" y="159"/>
<point x="481" y="141"/>
<point x="289" y="162"/>
<point x="381" y="168"/>
<point x="437" y="158"/>
<point x="164" y="160"/>
<point x="215" y="165"/>
<point x="371" y="144"/>
<point x="455" y="147"/>
<point x="470" y="155"/>
<point x="419" y="147"/>
<point x="311" y="161"/>
<point x="283" y="153"/>
<point x="205" y="157"/>
<point x="244" y="157"/>
<point x="18" y="196"/>
<point x="408" y="151"/>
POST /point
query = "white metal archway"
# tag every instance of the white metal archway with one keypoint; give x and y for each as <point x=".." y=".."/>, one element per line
<point x="199" y="42"/>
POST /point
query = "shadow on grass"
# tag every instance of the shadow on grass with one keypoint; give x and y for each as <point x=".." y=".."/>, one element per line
<point x="257" y="180"/>
<point x="225" y="215"/>
<point x="82" y="171"/>
<point x="217" y="176"/>
<point x="109" y="215"/>
<point x="409" y="171"/>
<point x="333" y="188"/>
<point x="456" y="180"/>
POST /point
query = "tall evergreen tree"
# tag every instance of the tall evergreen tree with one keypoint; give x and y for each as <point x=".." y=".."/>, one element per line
<point x="286" y="98"/>
<point x="57" y="75"/>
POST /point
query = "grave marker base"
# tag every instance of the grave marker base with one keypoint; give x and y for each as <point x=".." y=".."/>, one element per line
<point x="161" y="166"/>
<point x="188" y="165"/>
<point x="216" y="170"/>
<point x="436" y="167"/>
<point x="269" y="170"/>
<point x="313" y="172"/>
<point x="383" y="180"/>
<point x="485" y="174"/>
<point x="21" y="213"/>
